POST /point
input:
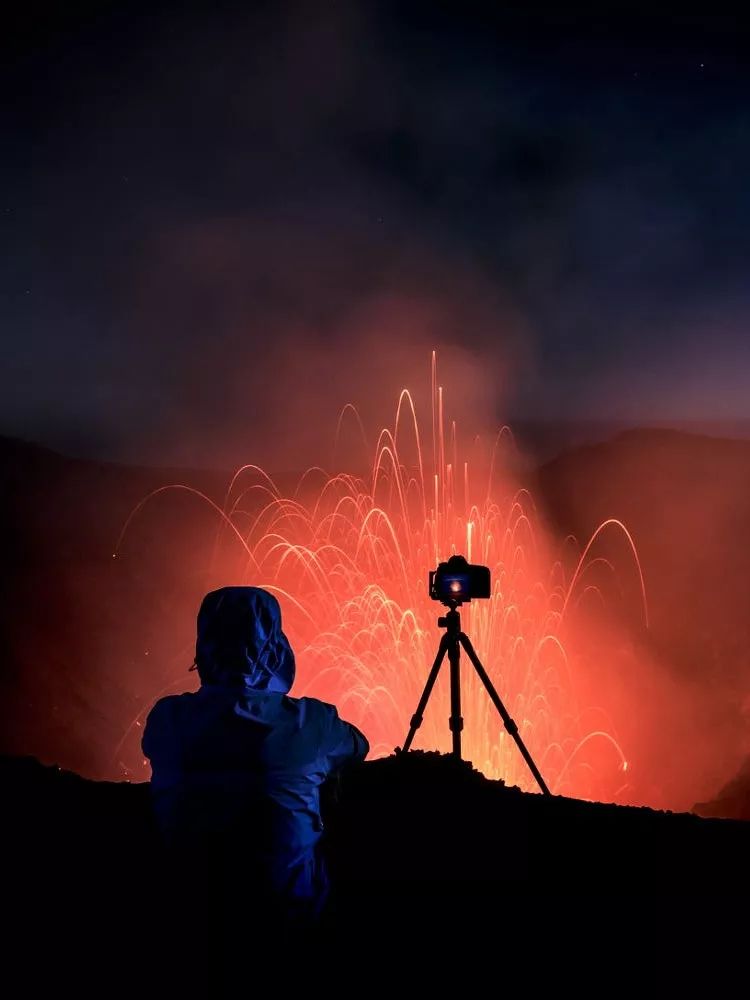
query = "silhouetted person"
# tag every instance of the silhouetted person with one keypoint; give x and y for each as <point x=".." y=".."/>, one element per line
<point x="237" y="766"/>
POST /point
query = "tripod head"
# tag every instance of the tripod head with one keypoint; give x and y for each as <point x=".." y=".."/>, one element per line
<point x="452" y="620"/>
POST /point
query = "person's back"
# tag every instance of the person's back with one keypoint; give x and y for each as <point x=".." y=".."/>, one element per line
<point x="237" y="766"/>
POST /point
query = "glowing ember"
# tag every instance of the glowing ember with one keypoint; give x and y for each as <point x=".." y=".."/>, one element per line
<point x="349" y="556"/>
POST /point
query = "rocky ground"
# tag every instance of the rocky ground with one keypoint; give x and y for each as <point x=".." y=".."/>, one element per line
<point x="419" y="819"/>
<point x="426" y="855"/>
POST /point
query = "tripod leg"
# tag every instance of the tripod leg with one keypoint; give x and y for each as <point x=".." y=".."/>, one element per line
<point x="456" y="723"/>
<point x="416" y="719"/>
<point x="508" y="721"/>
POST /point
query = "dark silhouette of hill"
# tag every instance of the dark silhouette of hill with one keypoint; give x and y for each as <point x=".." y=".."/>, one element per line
<point x="686" y="500"/>
<point x="437" y="872"/>
<point x="733" y="800"/>
<point x="395" y="824"/>
<point x="543" y="440"/>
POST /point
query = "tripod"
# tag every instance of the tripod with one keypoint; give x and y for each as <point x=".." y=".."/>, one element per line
<point x="451" y="643"/>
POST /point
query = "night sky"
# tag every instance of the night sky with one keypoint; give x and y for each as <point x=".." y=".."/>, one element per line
<point x="219" y="226"/>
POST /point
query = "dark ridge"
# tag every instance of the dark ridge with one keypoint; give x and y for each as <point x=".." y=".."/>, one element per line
<point x="433" y="865"/>
<point x="393" y="823"/>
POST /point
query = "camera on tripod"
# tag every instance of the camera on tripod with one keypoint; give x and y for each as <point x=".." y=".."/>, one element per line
<point x="457" y="582"/>
<point x="453" y="583"/>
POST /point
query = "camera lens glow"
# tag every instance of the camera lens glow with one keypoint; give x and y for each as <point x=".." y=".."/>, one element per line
<point x="455" y="586"/>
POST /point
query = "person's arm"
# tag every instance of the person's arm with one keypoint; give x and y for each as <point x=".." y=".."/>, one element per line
<point x="345" y="744"/>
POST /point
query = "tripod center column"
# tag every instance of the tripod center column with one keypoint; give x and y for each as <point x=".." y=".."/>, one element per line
<point x="456" y="721"/>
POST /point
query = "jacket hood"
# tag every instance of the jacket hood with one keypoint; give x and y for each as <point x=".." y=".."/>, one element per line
<point x="240" y="642"/>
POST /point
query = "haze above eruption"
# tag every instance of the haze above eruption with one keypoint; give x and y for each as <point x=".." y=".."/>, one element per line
<point x="276" y="393"/>
<point x="212" y="190"/>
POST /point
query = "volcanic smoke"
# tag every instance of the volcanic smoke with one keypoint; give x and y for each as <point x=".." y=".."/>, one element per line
<point x="348" y="555"/>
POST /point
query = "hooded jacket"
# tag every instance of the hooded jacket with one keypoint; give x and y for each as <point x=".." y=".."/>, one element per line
<point x="237" y="766"/>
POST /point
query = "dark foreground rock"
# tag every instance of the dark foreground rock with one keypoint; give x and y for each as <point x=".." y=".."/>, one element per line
<point x="421" y="841"/>
<point x="421" y="818"/>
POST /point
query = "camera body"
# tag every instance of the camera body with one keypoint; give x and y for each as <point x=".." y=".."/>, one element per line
<point x="457" y="582"/>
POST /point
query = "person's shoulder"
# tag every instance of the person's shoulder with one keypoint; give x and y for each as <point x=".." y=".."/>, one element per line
<point x="314" y="708"/>
<point x="175" y="699"/>
<point x="170" y="703"/>
<point x="316" y="704"/>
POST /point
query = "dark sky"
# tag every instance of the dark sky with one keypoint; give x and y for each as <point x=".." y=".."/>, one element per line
<point x="219" y="226"/>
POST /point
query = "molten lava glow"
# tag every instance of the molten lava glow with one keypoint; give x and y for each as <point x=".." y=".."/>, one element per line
<point x="349" y="555"/>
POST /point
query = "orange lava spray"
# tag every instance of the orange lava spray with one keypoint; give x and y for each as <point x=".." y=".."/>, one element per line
<point x="348" y="557"/>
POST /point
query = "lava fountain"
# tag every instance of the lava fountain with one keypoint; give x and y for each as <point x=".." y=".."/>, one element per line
<point x="348" y="556"/>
